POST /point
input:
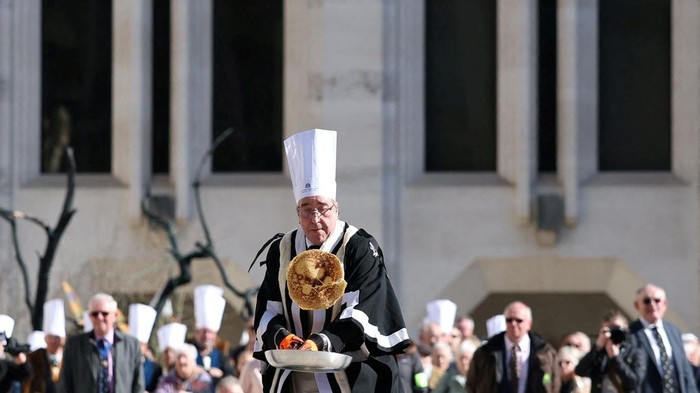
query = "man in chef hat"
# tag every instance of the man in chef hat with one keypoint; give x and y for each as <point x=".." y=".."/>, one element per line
<point x="170" y="337"/>
<point x="370" y="327"/>
<point x="209" y="305"/>
<point x="15" y="369"/>
<point x="46" y="362"/>
<point x="141" y="320"/>
<point x="439" y="322"/>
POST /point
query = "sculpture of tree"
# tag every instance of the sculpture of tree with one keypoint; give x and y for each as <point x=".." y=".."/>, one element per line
<point x="36" y="307"/>
<point x="201" y="250"/>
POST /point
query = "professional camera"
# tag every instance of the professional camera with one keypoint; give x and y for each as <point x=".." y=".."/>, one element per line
<point x="14" y="348"/>
<point x="617" y="335"/>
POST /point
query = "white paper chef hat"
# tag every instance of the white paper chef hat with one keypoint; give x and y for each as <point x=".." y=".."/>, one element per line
<point x="7" y="325"/>
<point x="36" y="340"/>
<point x="209" y="307"/>
<point x="54" y="318"/>
<point x="311" y="159"/>
<point x="87" y="322"/>
<point x="443" y="313"/>
<point x="496" y="324"/>
<point x="141" y="319"/>
<point x="171" y="335"/>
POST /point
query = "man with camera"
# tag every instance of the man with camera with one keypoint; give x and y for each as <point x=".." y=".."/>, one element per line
<point x="12" y="369"/>
<point x="614" y="364"/>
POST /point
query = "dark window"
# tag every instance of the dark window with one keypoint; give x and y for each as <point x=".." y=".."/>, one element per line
<point x="248" y="85"/>
<point x="635" y="85"/>
<point x="161" y="86"/>
<point x="547" y="87"/>
<point x="76" y="78"/>
<point x="460" y="85"/>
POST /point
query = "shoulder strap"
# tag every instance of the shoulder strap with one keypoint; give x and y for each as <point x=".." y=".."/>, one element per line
<point x="267" y="243"/>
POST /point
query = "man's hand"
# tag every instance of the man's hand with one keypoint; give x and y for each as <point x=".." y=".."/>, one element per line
<point x="216" y="372"/>
<point x="612" y="349"/>
<point x="291" y="341"/>
<point x="21" y="358"/>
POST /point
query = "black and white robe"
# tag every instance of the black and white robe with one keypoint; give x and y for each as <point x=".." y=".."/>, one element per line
<point x="366" y="322"/>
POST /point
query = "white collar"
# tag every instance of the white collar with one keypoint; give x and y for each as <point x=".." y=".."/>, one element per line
<point x="524" y="344"/>
<point x="659" y="325"/>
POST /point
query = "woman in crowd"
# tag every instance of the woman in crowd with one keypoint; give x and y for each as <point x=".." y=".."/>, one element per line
<point x="186" y="376"/>
<point x="567" y="360"/>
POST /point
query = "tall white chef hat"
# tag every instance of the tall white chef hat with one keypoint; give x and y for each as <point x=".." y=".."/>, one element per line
<point x="87" y="322"/>
<point x="141" y="319"/>
<point x="442" y="312"/>
<point x="496" y="324"/>
<point x="7" y="325"/>
<point x="54" y="318"/>
<point x="171" y="335"/>
<point x="209" y="305"/>
<point x="311" y="159"/>
<point x="36" y="340"/>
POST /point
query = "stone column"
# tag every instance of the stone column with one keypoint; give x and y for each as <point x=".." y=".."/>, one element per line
<point x="517" y="99"/>
<point x="685" y="88"/>
<point x="577" y="98"/>
<point x="303" y="66"/>
<point x="190" y="96"/>
<point x="132" y="66"/>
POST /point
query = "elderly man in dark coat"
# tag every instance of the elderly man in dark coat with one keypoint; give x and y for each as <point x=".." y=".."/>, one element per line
<point x="515" y="361"/>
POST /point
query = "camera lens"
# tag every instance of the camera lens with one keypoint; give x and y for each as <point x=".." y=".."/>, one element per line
<point x="617" y="335"/>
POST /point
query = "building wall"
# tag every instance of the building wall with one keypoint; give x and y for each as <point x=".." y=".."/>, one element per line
<point x="356" y="67"/>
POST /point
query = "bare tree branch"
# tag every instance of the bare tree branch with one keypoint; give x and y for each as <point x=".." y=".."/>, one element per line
<point x="53" y="238"/>
<point x="202" y="250"/>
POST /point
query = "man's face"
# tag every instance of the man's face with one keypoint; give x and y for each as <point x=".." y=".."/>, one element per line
<point x="651" y="304"/>
<point x="169" y="357"/>
<point x="206" y="338"/>
<point x="464" y="360"/>
<point x="54" y="344"/>
<point x="441" y="357"/>
<point x="518" y="322"/>
<point x="103" y="315"/>
<point x="434" y="335"/>
<point x="466" y="328"/>
<point x="317" y="217"/>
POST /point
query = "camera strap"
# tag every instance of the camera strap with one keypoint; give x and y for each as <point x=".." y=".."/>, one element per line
<point x="614" y="380"/>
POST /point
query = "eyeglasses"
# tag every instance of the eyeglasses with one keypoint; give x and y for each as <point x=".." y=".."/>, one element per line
<point x="307" y="212"/>
<point x="563" y="362"/>
<point x="95" y="314"/>
<point x="516" y="320"/>
<point x="648" y="300"/>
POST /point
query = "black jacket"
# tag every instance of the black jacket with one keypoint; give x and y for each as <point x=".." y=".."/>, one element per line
<point x="629" y="367"/>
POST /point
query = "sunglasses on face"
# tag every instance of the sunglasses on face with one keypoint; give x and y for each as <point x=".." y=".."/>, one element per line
<point x="648" y="300"/>
<point x="95" y="314"/>
<point x="516" y="320"/>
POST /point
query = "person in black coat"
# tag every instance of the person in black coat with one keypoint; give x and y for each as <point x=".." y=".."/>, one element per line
<point x="614" y="363"/>
<point x="651" y="304"/>
<point x="12" y="370"/>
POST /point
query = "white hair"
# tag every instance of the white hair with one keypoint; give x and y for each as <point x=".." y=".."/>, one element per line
<point x="103" y="298"/>
<point x="188" y="350"/>
<point x="465" y="347"/>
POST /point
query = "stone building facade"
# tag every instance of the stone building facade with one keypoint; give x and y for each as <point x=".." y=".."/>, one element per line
<point x="571" y="242"/>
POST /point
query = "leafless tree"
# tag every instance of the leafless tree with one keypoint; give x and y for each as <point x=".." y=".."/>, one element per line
<point x="36" y="306"/>
<point x="201" y="250"/>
